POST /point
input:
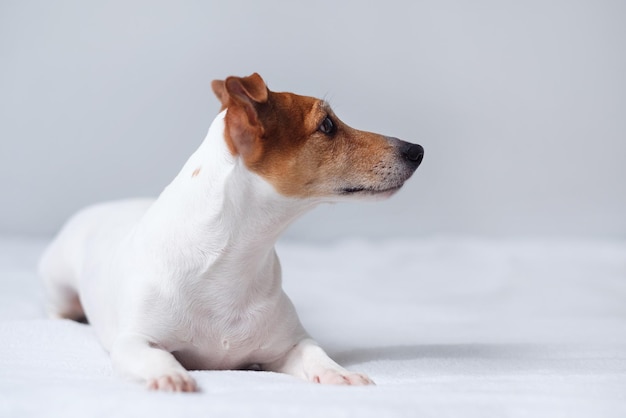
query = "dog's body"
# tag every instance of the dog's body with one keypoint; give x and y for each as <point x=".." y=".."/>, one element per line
<point x="191" y="280"/>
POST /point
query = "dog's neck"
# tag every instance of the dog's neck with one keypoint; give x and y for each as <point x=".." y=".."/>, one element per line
<point x="216" y="207"/>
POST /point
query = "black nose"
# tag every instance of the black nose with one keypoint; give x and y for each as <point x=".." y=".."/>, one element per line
<point x="414" y="153"/>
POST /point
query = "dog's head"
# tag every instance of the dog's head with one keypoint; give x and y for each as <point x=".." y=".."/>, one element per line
<point x="304" y="150"/>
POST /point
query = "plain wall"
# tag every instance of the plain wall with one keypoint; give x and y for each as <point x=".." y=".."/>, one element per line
<point x="520" y="106"/>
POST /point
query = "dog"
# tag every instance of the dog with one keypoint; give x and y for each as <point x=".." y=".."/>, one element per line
<point x="191" y="280"/>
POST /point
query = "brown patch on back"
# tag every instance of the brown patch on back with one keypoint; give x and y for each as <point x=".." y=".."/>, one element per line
<point x="196" y="172"/>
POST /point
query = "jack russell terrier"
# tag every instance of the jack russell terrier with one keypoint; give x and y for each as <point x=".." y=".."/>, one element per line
<point x="191" y="280"/>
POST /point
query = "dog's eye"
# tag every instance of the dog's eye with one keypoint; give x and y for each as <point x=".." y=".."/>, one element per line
<point x="327" y="126"/>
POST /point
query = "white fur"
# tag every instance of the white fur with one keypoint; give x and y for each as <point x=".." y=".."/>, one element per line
<point x="193" y="273"/>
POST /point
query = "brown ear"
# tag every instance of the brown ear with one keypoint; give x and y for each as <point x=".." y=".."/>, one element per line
<point x="242" y="95"/>
<point x="251" y="88"/>
<point x="244" y="90"/>
<point x="247" y="92"/>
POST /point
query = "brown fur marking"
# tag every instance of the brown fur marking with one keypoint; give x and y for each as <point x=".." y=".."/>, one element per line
<point x="277" y="136"/>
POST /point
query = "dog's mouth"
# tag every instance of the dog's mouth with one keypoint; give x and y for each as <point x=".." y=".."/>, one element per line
<point x="362" y="190"/>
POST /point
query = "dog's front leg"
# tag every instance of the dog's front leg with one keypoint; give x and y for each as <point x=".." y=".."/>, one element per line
<point x="136" y="357"/>
<point x="307" y="360"/>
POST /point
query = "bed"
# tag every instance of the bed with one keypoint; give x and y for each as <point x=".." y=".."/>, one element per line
<point x="447" y="327"/>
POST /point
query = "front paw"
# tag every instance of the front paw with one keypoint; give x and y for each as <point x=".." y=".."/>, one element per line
<point x="173" y="382"/>
<point x="341" y="377"/>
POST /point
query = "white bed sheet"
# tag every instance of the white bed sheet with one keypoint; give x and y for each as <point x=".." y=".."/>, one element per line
<point x="446" y="327"/>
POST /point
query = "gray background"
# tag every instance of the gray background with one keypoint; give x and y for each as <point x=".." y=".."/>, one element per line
<point x="521" y="106"/>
